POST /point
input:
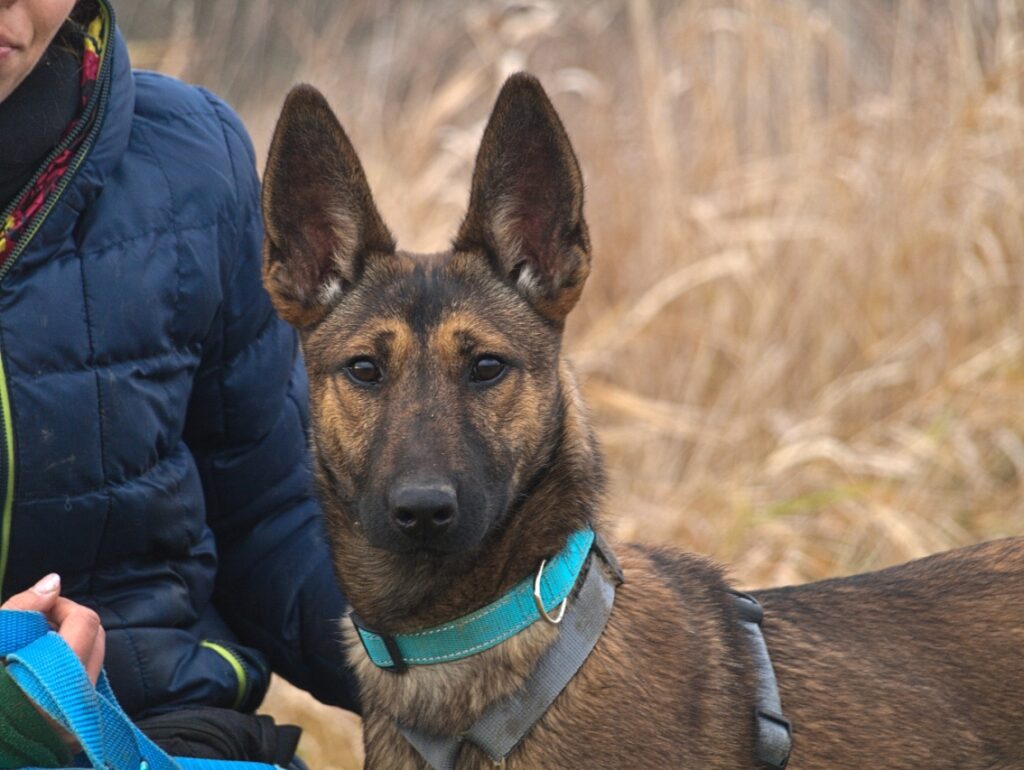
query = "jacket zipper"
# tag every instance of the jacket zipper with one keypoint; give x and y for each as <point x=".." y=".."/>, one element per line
<point x="100" y="97"/>
<point x="6" y="475"/>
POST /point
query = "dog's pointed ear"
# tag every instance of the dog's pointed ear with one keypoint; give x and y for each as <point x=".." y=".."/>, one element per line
<point x="526" y="202"/>
<point x="320" y="220"/>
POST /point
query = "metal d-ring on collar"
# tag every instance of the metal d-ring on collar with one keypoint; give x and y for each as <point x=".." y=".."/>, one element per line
<point x="539" y="601"/>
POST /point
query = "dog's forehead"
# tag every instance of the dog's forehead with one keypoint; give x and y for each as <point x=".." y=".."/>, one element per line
<point x="425" y="290"/>
<point x="433" y="296"/>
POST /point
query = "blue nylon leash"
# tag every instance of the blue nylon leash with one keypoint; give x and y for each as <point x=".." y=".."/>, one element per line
<point x="51" y="675"/>
<point x="41" y="669"/>
<point x="486" y="627"/>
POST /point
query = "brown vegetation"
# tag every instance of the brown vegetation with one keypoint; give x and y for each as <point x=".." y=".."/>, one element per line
<point x="802" y="337"/>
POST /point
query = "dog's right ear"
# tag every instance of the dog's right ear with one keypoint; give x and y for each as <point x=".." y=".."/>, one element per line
<point x="320" y="220"/>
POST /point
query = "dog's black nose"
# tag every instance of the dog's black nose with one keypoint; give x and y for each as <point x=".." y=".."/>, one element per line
<point x="423" y="511"/>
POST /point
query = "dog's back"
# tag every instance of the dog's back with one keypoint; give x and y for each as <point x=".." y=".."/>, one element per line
<point x="917" y="666"/>
<point x="920" y="665"/>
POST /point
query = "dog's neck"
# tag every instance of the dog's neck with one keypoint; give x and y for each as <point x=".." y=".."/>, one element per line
<point x="398" y="593"/>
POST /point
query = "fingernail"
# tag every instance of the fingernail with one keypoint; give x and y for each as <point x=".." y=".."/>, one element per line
<point x="48" y="585"/>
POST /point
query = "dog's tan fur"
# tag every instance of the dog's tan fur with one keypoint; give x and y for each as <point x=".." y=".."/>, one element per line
<point x="920" y="666"/>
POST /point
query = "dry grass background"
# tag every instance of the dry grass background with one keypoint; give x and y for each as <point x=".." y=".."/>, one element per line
<point x="802" y="340"/>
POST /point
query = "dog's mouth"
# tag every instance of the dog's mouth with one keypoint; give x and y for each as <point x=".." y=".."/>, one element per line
<point x="432" y="531"/>
<point x="459" y="545"/>
<point x="436" y="552"/>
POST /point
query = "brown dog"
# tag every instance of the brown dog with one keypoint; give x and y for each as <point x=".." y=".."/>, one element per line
<point x="453" y="455"/>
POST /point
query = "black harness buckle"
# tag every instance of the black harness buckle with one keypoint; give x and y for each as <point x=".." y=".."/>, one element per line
<point x="748" y="608"/>
<point x="773" y="747"/>
<point x="609" y="558"/>
<point x="400" y="666"/>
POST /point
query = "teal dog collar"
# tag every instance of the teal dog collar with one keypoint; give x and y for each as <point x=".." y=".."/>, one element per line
<point x="522" y="606"/>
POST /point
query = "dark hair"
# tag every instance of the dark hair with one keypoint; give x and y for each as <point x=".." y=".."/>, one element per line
<point x="84" y="12"/>
<point x="73" y="31"/>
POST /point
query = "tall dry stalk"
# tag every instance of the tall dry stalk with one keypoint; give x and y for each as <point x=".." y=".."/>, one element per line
<point x="802" y="339"/>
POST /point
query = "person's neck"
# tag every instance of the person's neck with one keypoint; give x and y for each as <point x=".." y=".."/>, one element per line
<point x="35" y="116"/>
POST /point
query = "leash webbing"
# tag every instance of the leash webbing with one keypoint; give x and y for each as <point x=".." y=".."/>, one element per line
<point x="50" y="674"/>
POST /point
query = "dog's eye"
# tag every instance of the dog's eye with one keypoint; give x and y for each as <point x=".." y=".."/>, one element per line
<point x="487" y="368"/>
<point x="363" y="371"/>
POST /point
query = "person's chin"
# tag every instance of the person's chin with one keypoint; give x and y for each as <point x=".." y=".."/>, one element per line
<point x="13" y="70"/>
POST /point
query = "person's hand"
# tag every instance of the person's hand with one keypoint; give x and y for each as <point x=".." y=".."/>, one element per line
<point x="78" y="626"/>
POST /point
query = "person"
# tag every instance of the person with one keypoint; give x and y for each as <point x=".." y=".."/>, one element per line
<point x="27" y="738"/>
<point x="153" y="408"/>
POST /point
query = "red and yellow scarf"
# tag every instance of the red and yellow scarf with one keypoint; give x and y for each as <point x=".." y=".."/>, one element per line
<point x="28" y="204"/>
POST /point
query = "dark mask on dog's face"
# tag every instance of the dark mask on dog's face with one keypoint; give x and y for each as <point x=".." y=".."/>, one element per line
<point x="433" y="378"/>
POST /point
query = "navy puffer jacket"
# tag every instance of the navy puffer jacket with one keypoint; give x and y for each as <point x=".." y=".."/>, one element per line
<point x="156" y="408"/>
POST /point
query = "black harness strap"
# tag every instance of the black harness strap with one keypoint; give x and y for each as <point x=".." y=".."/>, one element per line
<point x="773" y="736"/>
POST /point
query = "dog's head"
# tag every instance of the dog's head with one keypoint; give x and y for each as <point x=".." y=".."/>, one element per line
<point x="434" y="379"/>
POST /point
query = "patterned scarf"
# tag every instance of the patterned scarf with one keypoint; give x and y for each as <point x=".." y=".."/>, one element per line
<point x="29" y="203"/>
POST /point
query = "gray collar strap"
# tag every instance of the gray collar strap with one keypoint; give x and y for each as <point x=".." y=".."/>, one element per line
<point x="773" y="737"/>
<point x="506" y="722"/>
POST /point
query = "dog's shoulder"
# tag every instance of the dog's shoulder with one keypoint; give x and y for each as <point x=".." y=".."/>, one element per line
<point x="683" y="592"/>
<point x="671" y="651"/>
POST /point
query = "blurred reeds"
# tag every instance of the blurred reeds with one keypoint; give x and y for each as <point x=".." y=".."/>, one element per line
<point x="802" y="339"/>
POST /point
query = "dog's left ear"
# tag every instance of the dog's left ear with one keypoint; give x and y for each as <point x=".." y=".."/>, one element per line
<point x="526" y="202"/>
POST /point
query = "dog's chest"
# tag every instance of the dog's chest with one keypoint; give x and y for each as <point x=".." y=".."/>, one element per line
<point x="446" y="698"/>
<point x="649" y="695"/>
